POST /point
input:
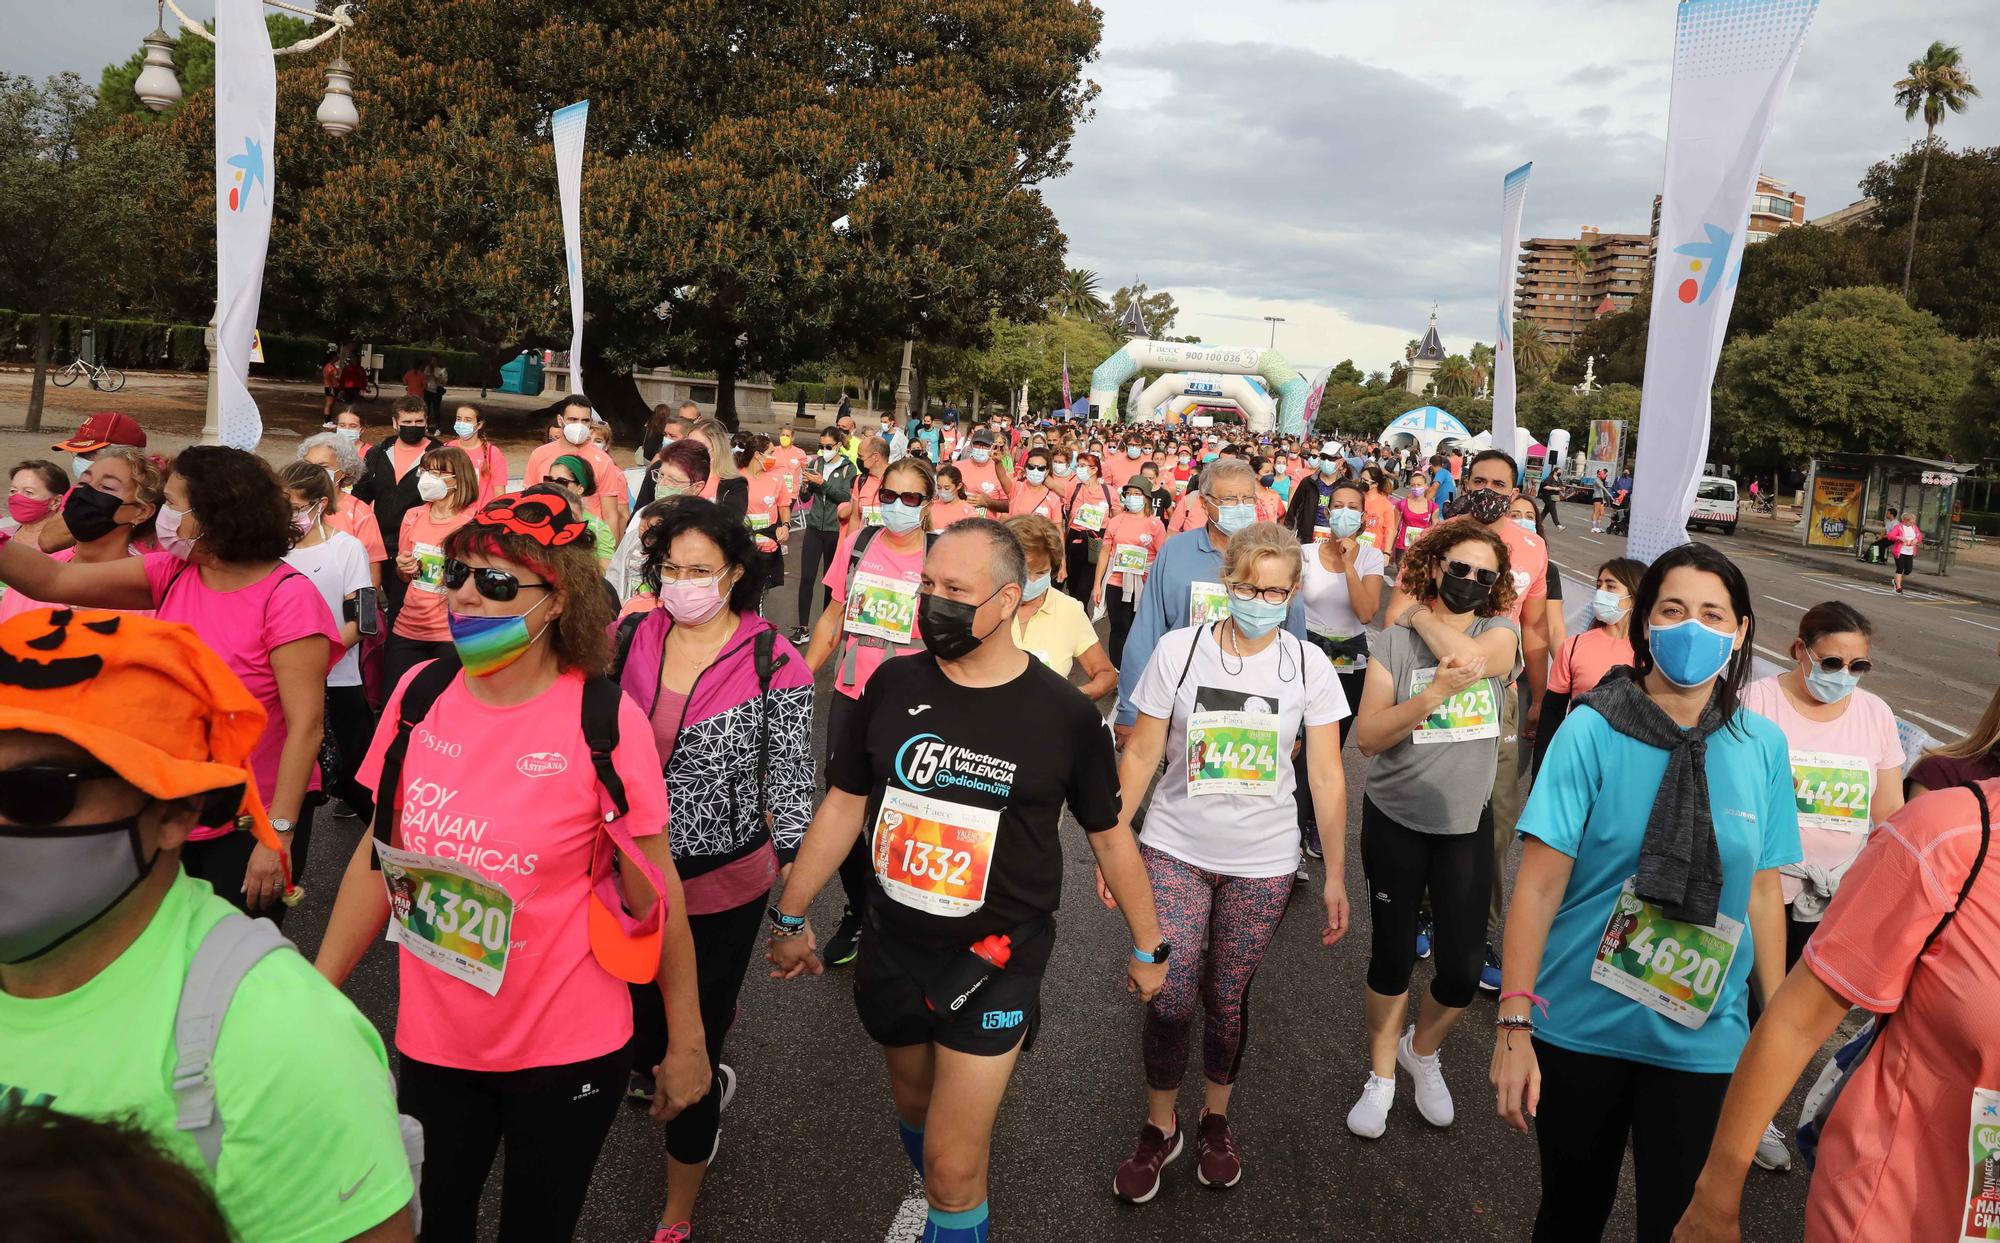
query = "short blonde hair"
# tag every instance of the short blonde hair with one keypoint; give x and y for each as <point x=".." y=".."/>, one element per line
<point x="1038" y="535"/>
<point x="1256" y="542"/>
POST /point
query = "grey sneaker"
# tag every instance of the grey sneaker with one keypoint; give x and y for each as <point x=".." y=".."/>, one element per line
<point x="1771" y="1151"/>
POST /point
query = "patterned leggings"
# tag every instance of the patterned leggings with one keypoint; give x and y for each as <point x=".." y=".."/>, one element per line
<point x="1237" y="917"/>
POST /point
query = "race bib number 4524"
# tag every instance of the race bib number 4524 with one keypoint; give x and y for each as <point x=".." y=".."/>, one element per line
<point x="883" y="607"/>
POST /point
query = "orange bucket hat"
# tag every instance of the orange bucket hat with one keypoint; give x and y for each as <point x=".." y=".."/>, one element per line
<point x="146" y="698"/>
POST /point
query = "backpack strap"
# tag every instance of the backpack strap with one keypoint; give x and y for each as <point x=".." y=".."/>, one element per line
<point x="600" y="734"/>
<point x="763" y="651"/>
<point x="1978" y="862"/>
<point x="628" y="626"/>
<point x="419" y="696"/>
<point x="226" y="954"/>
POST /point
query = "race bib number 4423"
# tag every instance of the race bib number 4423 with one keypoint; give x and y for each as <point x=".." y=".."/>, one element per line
<point x="1472" y="713"/>
<point x="448" y="916"/>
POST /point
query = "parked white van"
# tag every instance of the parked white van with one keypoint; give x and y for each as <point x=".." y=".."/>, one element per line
<point x="1714" y="504"/>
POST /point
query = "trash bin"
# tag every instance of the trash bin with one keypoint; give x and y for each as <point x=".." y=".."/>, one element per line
<point x="86" y="346"/>
<point x="523" y="375"/>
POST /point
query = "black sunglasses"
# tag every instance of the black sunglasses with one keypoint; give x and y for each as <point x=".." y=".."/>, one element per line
<point x="44" y="794"/>
<point x="912" y="499"/>
<point x="1459" y="569"/>
<point x="1834" y="664"/>
<point x="496" y="585"/>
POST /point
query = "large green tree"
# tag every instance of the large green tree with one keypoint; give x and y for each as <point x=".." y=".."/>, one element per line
<point x="1937" y="84"/>
<point x="71" y="196"/>
<point x="1791" y="270"/>
<point x="1857" y="371"/>
<point x="1958" y="251"/>
<point x="764" y="185"/>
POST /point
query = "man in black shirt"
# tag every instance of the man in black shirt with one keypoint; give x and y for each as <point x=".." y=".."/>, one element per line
<point x="959" y="761"/>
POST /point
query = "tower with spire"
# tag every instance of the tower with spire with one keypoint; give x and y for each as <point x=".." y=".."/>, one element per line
<point x="1425" y="362"/>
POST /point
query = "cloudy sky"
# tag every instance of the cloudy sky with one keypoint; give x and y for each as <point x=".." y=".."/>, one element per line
<point x="1338" y="162"/>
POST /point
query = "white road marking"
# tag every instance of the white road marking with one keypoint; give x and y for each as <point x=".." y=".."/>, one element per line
<point x="1931" y="720"/>
<point x="1968" y="621"/>
<point x="1787" y="603"/>
<point x="1586" y="539"/>
<point x="907" y="1226"/>
<point x="1780" y="657"/>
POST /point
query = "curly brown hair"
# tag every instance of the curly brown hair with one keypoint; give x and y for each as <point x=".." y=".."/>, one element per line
<point x="244" y="515"/>
<point x="1429" y="553"/>
<point x="580" y="636"/>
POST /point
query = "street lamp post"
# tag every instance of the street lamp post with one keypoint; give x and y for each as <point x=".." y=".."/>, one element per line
<point x="1274" y="321"/>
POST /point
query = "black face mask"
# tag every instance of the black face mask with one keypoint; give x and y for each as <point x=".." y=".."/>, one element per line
<point x="947" y="626"/>
<point x="1483" y="505"/>
<point x="1463" y="595"/>
<point x="410" y="435"/>
<point x="90" y="514"/>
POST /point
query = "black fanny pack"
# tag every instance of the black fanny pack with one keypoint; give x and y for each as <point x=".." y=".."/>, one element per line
<point x="949" y="988"/>
<point x="1341" y="649"/>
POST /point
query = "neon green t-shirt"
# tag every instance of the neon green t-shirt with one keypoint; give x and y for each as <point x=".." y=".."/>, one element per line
<point x="311" y="1150"/>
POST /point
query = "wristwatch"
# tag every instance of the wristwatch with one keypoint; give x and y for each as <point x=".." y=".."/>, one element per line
<point x="281" y="825"/>
<point x="1159" y="955"/>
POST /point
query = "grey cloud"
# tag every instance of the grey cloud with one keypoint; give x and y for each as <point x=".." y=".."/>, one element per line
<point x="1594" y="75"/>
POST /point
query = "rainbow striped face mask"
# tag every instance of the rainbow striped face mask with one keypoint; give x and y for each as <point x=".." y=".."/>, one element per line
<point x="486" y="645"/>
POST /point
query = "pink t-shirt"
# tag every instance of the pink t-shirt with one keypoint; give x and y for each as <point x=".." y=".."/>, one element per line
<point x="423" y="615"/>
<point x="1528" y="561"/>
<point x="492" y="467"/>
<point x="511" y="793"/>
<point x="1862" y="739"/>
<point x="881" y="560"/>
<point x="244" y="627"/>
<point x="1127" y="529"/>
<point x="1581" y="663"/>
<point x="610" y="480"/>
<point x="1895" y="1160"/>
<point x="357" y="518"/>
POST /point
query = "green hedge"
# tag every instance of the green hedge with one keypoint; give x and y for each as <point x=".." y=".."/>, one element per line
<point x="138" y="344"/>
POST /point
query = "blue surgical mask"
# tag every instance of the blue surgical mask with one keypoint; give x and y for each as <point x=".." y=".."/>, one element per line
<point x="1257" y="617"/>
<point x="981" y="453"/>
<point x="1328" y="466"/>
<point x="1831" y="688"/>
<point x="1605" y="606"/>
<point x="1083" y="473"/>
<point x="1344" y="522"/>
<point x="901" y="519"/>
<point x="1688" y="653"/>
<point x="1036" y="474"/>
<point x="1132" y="451"/>
<point x="1135" y="504"/>
<point x="1208" y="457"/>
<point x="1526" y="524"/>
<point x="464" y="429"/>
<point x="1233" y="518"/>
<point x="1036" y="587"/>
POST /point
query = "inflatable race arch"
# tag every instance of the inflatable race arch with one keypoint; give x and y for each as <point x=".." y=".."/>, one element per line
<point x="1222" y="369"/>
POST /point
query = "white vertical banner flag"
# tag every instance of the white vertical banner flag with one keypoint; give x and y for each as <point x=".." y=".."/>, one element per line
<point x="1513" y="195"/>
<point x="1733" y="60"/>
<point x="246" y="109"/>
<point x="566" y="129"/>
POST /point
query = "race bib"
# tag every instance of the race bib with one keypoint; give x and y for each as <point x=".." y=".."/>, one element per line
<point x="430" y="568"/>
<point x="1128" y="559"/>
<point x="871" y="515"/>
<point x="1207" y="602"/>
<point x="885" y="608"/>
<point x="1472" y="713"/>
<point x="1322" y="533"/>
<point x="1982" y="1196"/>
<point x="1672" y="968"/>
<point x="1832" y="790"/>
<point x="1091" y="516"/>
<point x="448" y="916"/>
<point x="1231" y="749"/>
<point x="932" y="855"/>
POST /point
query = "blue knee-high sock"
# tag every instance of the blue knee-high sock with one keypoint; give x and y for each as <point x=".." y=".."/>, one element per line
<point x="966" y="1227"/>
<point x="913" y="1144"/>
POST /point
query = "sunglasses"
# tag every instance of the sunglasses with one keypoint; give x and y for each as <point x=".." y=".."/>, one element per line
<point x="1459" y="569"/>
<point x="44" y="794"/>
<point x="495" y="585"/>
<point x="1834" y="664"/>
<point x="912" y="499"/>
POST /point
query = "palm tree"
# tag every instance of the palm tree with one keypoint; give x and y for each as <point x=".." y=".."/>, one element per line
<point x="1580" y="256"/>
<point x="1077" y="295"/>
<point x="1455" y="377"/>
<point x="1481" y="359"/>
<point x="1533" y="355"/>
<point x="1938" y="83"/>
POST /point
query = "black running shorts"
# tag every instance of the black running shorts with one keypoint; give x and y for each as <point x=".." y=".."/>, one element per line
<point x="1906" y="563"/>
<point x="889" y="983"/>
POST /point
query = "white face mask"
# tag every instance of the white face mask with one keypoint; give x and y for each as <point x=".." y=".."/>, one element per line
<point x="432" y="487"/>
<point x="576" y="433"/>
<point x="78" y="465"/>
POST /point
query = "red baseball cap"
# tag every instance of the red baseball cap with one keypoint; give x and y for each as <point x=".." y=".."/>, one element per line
<point x="106" y="427"/>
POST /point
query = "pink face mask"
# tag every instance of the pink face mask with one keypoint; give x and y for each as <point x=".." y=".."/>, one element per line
<point x="27" y="509"/>
<point x="692" y="602"/>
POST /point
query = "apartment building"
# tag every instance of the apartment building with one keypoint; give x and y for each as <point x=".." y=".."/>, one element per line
<point x="1566" y="282"/>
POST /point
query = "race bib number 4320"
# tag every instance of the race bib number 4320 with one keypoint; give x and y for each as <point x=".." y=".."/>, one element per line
<point x="933" y="855"/>
<point x="448" y="916"/>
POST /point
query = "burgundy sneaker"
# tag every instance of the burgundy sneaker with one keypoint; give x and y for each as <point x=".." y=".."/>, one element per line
<point x="1216" y="1164"/>
<point x="1138" y="1178"/>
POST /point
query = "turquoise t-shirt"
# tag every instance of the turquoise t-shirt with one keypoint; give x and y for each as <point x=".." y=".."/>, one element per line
<point x="311" y="1152"/>
<point x="1590" y="801"/>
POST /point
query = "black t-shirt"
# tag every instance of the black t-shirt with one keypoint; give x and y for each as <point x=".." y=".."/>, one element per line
<point x="975" y="779"/>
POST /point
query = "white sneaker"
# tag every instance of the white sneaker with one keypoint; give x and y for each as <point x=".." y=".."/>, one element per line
<point x="728" y="1076"/>
<point x="1433" y="1097"/>
<point x="1370" y="1115"/>
<point x="1771" y="1151"/>
<point x="1594" y="531"/>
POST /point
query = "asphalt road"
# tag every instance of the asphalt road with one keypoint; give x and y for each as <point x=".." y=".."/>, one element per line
<point x="809" y="1145"/>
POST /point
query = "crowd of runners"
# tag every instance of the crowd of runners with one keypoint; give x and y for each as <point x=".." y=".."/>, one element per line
<point x="580" y="771"/>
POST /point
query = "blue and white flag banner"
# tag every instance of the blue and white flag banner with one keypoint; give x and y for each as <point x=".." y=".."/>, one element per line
<point x="246" y="107"/>
<point x="1513" y="196"/>
<point x="1733" y="60"/>
<point x="566" y="128"/>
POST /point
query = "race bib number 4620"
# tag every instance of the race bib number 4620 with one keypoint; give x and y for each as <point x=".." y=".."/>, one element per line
<point x="933" y="855"/>
<point x="1672" y="968"/>
<point x="448" y="916"/>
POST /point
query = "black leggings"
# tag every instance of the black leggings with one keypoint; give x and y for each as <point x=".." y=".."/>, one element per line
<point x="1119" y="610"/>
<point x="1590" y="1105"/>
<point x="221" y="861"/>
<point x="723" y="943"/>
<point x="553" y="1120"/>
<point x="1549" y="513"/>
<point x="352" y="724"/>
<point x="1350" y="686"/>
<point x="400" y="654"/>
<point x="1081" y="569"/>
<point x="1400" y="864"/>
<point x="816" y="549"/>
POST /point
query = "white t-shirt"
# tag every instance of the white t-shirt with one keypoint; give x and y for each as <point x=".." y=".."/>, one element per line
<point x="1251" y="713"/>
<point x="338" y="567"/>
<point x="1328" y="610"/>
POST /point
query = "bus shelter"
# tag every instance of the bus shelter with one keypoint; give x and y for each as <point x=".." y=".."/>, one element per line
<point x="1848" y="496"/>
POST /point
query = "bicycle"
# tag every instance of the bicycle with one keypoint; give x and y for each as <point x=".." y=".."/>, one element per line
<point x="103" y="379"/>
